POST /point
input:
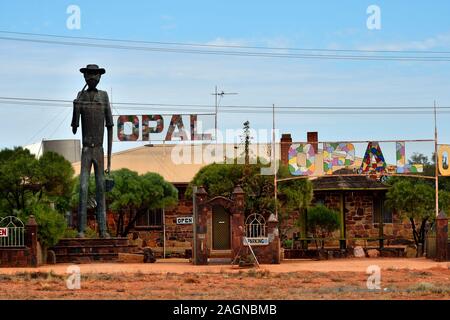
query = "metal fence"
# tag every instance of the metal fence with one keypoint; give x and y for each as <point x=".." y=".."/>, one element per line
<point x="255" y="226"/>
<point x="12" y="232"/>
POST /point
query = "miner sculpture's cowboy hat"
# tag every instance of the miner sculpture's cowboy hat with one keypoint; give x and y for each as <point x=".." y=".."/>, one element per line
<point x="92" y="68"/>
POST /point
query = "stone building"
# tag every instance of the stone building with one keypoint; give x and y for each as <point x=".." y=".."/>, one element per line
<point x="358" y="199"/>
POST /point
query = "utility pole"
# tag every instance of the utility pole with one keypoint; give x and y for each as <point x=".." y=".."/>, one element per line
<point x="216" y="95"/>
<point x="275" y="186"/>
<point x="436" y="170"/>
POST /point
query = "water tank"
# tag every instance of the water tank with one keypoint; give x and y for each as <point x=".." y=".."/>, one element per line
<point x="69" y="149"/>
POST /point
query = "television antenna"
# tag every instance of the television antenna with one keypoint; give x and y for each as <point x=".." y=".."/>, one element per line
<point x="216" y="95"/>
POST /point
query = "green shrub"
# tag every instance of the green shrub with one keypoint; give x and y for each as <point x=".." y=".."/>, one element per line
<point x="70" y="233"/>
<point x="288" y="243"/>
<point x="51" y="224"/>
<point x="322" y="221"/>
<point x="90" y="233"/>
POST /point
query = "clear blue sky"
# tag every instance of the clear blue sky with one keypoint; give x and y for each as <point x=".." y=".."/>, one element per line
<point x="51" y="71"/>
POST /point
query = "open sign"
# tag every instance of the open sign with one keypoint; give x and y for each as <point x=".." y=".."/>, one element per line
<point x="3" y="232"/>
<point x="185" y="220"/>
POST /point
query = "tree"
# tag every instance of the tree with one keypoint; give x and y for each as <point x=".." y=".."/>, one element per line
<point x="295" y="196"/>
<point x="322" y="222"/>
<point x="246" y="142"/>
<point x="428" y="170"/>
<point x="444" y="201"/>
<point x="218" y="179"/>
<point x="419" y="158"/>
<point x="414" y="201"/>
<point x="40" y="187"/>
<point x="57" y="180"/>
<point x="133" y="195"/>
<point x="221" y="179"/>
<point x="26" y="181"/>
<point x="51" y="224"/>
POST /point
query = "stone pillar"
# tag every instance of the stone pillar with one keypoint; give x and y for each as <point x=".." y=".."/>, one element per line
<point x="237" y="220"/>
<point x="274" y="239"/>
<point x="31" y="229"/>
<point x="201" y="249"/>
<point x="442" y="237"/>
<point x="343" y="241"/>
<point x="286" y="141"/>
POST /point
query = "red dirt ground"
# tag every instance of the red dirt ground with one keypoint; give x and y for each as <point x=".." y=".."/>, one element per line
<point x="178" y="279"/>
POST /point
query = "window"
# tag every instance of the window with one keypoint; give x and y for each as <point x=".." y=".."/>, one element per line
<point x="319" y="200"/>
<point x="387" y="213"/>
<point x="381" y="210"/>
<point x="152" y="218"/>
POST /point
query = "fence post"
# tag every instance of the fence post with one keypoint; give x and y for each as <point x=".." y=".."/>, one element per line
<point x="200" y="252"/>
<point x="237" y="220"/>
<point x="31" y="229"/>
<point x="274" y="239"/>
<point x="442" y="237"/>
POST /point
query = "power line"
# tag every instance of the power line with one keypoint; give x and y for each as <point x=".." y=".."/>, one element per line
<point x="335" y="111"/>
<point x="60" y="124"/>
<point x="240" y="53"/>
<point x="69" y="104"/>
<point x="43" y="128"/>
<point x="223" y="45"/>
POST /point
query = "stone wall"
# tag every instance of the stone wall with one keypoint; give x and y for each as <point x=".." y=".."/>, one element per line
<point x="182" y="233"/>
<point x="271" y="253"/>
<point x="359" y="222"/>
<point x="358" y="208"/>
<point x="178" y="237"/>
<point x="26" y="256"/>
<point x="11" y="258"/>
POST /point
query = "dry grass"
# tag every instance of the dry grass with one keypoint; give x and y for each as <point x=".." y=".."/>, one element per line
<point x="243" y="284"/>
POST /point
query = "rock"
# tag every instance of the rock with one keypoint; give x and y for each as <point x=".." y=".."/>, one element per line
<point x="130" y="257"/>
<point x="411" y="252"/>
<point x="51" y="257"/>
<point x="138" y="242"/>
<point x="149" y="256"/>
<point x="373" y="253"/>
<point x="358" y="252"/>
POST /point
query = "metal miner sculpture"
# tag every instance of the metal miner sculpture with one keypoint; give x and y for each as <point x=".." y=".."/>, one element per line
<point x="95" y="111"/>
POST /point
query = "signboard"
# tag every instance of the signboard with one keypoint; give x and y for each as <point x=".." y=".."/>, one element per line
<point x="261" y="241"/>
<point x="185" y="220"/>
<point x="324" y="158"/>
<point x="3" y="232"/>
<point x="164" y="127"/>
<point x="443" y="154"/>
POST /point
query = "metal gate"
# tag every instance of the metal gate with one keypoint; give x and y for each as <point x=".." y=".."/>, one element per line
<point x="12" y="232"/>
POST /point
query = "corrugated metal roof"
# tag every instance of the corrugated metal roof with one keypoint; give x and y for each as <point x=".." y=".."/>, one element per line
<point x="158" y="158"/>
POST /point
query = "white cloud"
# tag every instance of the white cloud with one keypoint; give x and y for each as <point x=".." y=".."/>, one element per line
<point x="228" y="42"/>
<point x="438" y="41"/>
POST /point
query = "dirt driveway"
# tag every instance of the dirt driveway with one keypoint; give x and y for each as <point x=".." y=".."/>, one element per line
<point x="184" y="266"/>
